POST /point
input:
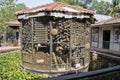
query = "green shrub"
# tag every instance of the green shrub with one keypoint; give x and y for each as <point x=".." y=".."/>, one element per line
<point x="10" y="68"/>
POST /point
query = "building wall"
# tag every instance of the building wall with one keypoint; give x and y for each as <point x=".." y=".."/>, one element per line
<point x="114" y="37"/>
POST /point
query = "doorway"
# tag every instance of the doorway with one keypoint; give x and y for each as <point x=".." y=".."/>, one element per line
<point x="106" y="39"/>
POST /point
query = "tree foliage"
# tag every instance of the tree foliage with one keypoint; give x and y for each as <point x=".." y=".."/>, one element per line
<point x="83" y="3"/>
<point x="96" y="5"/>
<point x="100" y="7"/>
<point x="114" y="6"/>
<point x="116" y="3"/>
<point x="7" y="10"/>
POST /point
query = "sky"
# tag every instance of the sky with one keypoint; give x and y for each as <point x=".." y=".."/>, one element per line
<point x="33" y="3"/>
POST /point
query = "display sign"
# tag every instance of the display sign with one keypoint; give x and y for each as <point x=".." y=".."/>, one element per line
<point x="40" y="61"/>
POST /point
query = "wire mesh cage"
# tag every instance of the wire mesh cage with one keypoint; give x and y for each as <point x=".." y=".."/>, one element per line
<point x="55" y="44"/>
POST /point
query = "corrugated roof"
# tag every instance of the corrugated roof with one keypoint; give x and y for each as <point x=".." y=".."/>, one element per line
<point x="100" y="17"/>
<point x="56" y="7"/>
<point x="114" y="20"/>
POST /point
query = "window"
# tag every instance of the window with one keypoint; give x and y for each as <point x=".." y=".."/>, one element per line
<point x="95" y="37"/>
<point x="117" y="35"/>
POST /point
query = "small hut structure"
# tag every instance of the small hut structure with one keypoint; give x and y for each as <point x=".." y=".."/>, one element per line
<point x="15" y="25"/>
<point x="55" y="38"/>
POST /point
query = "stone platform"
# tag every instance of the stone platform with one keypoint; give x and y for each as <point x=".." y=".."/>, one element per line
<point x="8" y="49"/>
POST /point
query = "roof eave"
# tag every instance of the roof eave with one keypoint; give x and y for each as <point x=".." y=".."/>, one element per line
<point x="106" y="25"/>
<point x="55" y="14"/>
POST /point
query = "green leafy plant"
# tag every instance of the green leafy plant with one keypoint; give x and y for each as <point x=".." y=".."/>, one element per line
<point x="10" y="68"/>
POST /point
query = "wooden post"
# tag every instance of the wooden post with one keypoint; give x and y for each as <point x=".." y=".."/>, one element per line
<point x="70" y="54"/>
<point x="32" y="44"/>
<point x="51" y="45"/>
<point x="55" y="60"/>
<point x="20" y="36"/>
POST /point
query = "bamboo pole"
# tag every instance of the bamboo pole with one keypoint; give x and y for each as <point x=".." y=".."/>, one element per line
<point x="55" y="60"/>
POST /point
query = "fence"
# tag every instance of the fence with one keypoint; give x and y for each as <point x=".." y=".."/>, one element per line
<point x="112" y="73"/>
<point x="106" y="45"/>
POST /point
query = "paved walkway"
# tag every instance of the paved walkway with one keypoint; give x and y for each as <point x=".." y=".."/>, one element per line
<point x="8" y="49"/>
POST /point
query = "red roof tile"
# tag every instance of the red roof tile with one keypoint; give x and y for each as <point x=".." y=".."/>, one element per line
<point x="13" y="22"/>
<point x="56" y="6"/>
<point x="114" y="20"/>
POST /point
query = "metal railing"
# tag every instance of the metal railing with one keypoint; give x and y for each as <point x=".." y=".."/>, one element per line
<point x="112" y="73"/>
<point x="106" y="45"/>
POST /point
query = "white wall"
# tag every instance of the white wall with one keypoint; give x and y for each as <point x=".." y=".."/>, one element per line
<point x="113" y="46"/>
